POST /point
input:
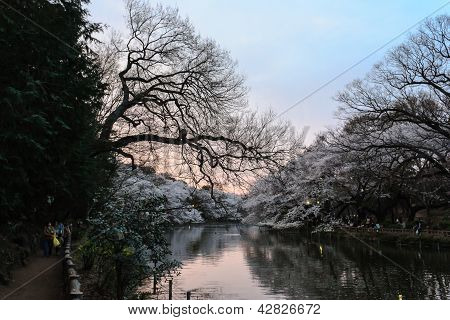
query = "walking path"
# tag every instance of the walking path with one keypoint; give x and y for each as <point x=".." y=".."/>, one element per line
<point x="40" y="279"/>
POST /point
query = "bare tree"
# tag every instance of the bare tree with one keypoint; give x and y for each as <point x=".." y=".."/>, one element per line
<point x="403" y="105"/>
<point x="171" y="89"/>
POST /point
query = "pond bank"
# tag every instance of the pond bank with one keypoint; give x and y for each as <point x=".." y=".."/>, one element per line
<point x="402" y="237"/>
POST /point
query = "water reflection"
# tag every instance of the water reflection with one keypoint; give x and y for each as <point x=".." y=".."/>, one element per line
<point x="240" y="262"/>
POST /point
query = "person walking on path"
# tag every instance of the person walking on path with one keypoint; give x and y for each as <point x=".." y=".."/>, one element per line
<point x="49" y="233"/>
<point x="418" y="227"/>
<point x="59" y="229"/>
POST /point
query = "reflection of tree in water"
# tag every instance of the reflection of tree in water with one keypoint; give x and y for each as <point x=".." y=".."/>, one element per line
<point x="430" y="270"/>
<point x="296" y="267"/>
<point x="206" y="240"/>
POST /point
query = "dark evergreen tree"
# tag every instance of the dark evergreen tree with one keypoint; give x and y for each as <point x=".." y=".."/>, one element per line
<point x="50" y="94"/>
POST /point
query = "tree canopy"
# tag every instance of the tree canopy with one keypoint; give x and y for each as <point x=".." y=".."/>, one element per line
<point x="172" y="90"/>
<point x="391" y="150"/>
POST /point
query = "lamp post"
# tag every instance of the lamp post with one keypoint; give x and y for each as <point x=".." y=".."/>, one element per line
<point x="170" y="279"/>
<point x="154" y="274"/>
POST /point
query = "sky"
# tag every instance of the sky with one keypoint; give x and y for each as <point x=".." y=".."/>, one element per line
<point x="287" y="49"/>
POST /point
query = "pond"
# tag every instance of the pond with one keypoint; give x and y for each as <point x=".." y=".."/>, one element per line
<point x="244" y="262"/>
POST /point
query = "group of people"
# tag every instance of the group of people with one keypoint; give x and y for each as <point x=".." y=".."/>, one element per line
<point x="54" y="237"/>
<point x="417" y="227"/>
<point x="371" y="223"/>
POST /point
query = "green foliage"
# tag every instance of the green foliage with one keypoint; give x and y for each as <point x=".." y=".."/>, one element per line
<point x="50" y="93"/>
<point x="128" y="245"/>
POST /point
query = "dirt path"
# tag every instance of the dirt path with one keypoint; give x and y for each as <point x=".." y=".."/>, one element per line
<point x="40" y="279"/>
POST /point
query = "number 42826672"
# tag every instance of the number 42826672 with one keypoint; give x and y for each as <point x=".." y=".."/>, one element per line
<point x="308" y="308"/>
